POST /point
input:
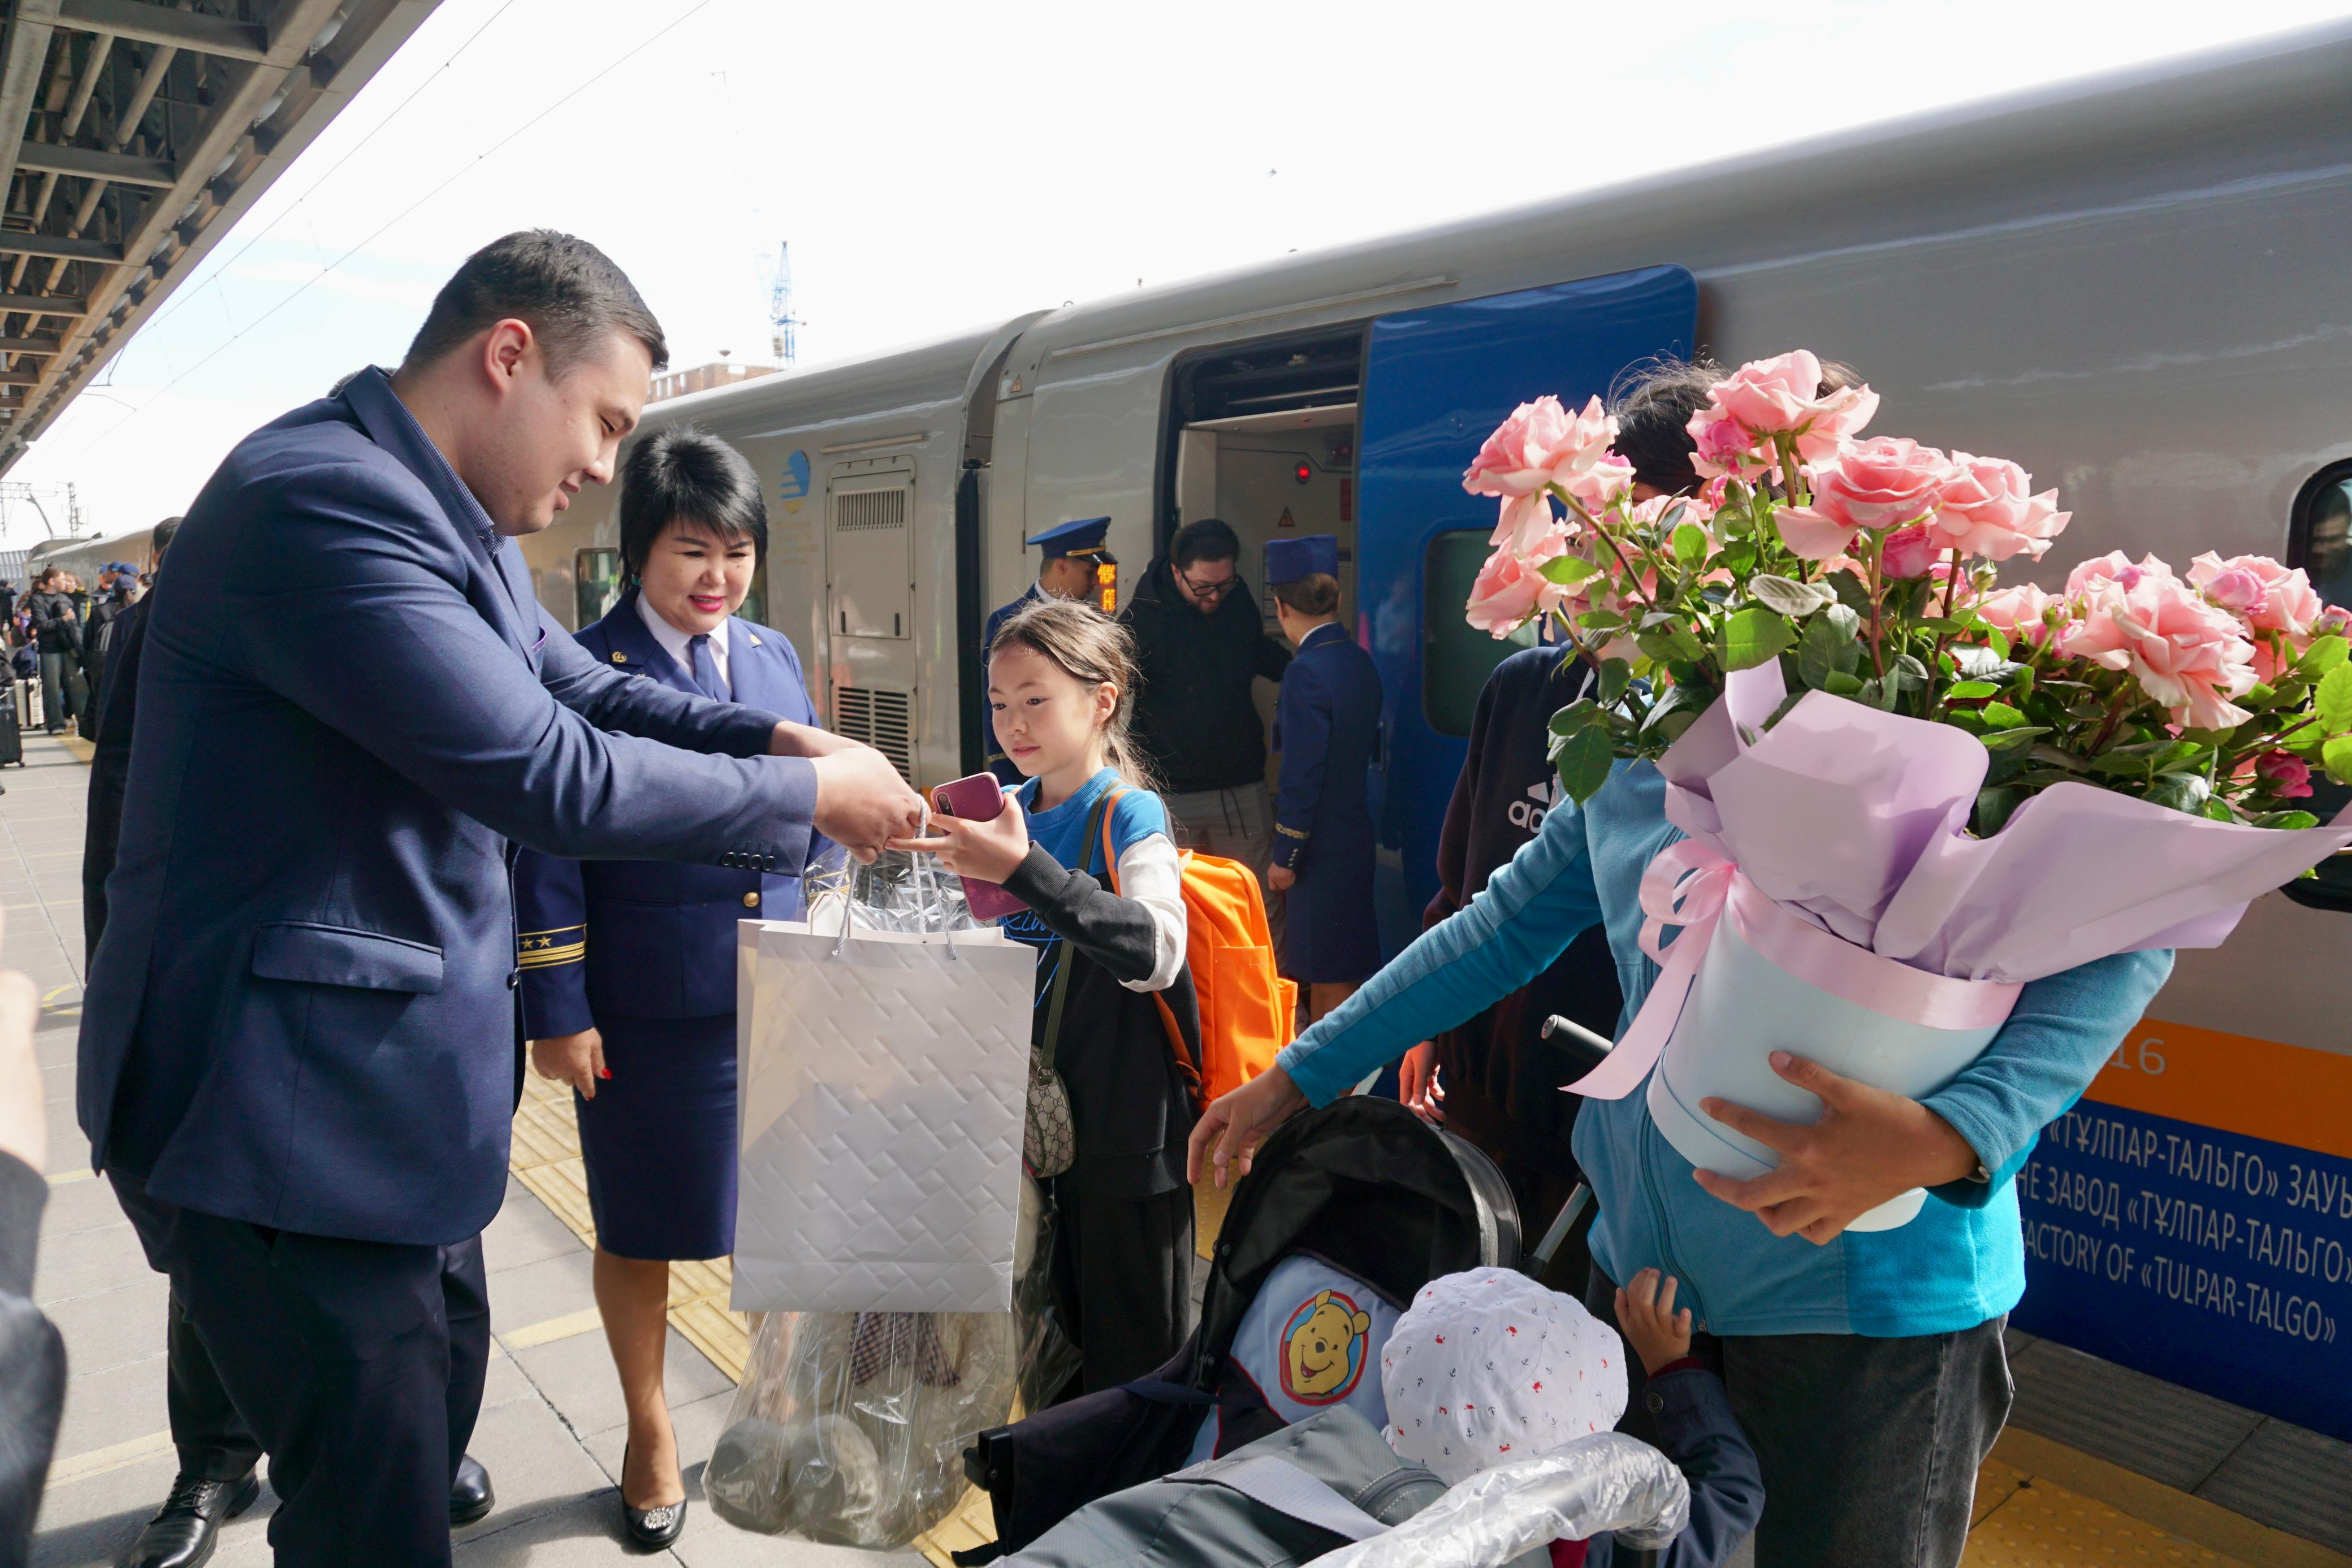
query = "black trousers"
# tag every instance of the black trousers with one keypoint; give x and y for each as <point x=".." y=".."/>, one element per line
<point x="358" y="1366"/>
<point x="214" y="1441"/>
<point x="1122" y="1281"/>
<point x="1869" y="1448"/>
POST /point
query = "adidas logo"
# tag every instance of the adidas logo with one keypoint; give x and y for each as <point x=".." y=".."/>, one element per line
<point x="1529" y="814"/>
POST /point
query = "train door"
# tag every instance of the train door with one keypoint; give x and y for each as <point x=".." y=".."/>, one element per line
<point x="869" y="569"/>
<point x="1435" y="381"/>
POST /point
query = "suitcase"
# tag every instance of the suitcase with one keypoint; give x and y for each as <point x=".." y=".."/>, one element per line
<point x="12" y="737"/>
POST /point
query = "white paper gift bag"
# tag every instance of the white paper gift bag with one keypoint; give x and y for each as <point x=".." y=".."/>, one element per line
<point x="883" y="1082"/>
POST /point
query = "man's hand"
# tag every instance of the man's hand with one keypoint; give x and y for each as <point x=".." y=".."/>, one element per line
<point x="862" y="803"/>
<point x="989" y="850"/>
<point x="1869" y="1146"/>
<point x="791" y="739"/>
<point x="1645" y="1314"/>
<point x="1238" y="1121"/>
<point x="1417" y="1084"/>
<point x="24" y="1109"/>
<point x="1281" y="878"/>
<point x="575" y="1059"/>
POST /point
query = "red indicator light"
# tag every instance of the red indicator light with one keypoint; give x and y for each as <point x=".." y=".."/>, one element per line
<point x="1304" y="471"/>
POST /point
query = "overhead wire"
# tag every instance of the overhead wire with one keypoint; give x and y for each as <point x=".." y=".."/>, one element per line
<point x="620" y="61"/>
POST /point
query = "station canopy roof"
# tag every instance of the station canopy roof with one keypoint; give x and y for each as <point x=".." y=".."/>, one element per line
<point x="134" y="134"/>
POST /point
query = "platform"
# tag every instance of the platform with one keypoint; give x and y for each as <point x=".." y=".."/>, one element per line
<point x="2101" y="1464"/>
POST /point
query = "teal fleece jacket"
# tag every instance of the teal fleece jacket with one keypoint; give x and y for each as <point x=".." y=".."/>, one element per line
<point x="1961" y="1261"/>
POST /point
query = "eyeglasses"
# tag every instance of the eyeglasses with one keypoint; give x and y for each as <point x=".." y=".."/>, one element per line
<point x="1209" y="590"/>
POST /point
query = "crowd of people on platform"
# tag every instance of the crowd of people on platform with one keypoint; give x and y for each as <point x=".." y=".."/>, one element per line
<point x="444" y="837"/>
<point x="59" y="636"/>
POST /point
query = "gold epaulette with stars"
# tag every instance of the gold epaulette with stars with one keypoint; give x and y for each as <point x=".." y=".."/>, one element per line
<point x="546" y="949"/>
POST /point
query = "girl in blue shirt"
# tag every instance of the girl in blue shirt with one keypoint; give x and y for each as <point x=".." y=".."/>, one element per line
<point x="1086" y="845"/>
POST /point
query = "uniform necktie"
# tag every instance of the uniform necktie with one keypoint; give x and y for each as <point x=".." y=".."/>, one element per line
<point x="705" y="669"/>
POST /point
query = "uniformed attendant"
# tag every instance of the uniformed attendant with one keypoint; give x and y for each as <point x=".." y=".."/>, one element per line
<point x="628" y="966"/>
<point x="1326" y="723"/>
<point x="1075" y="556"/>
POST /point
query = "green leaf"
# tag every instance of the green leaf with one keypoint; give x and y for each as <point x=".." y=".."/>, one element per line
<point x="1993" y="808"/>
<point x="1616" y="675"/>
<point x="1687" y="644"/>
<point x="2014" y="739"/>
<point x="2181" y="792"/>
<point x="1998" y="641"/>
<point x="1847" y="624"/>
<point x="1690" y="546"/>
<point x="1821" y="652"/>
<point x="2217" y="810"/>
<point x="1970" y="691"/>
<point x="1942" y="625"/>
<point x="2336" y="756"/>
<point x="1797" y="600"/>
<point x="1842" y="684"/>
<point x="1753" y="636"/>
<point x="2001" y="715"/>
<point x="2324" y="654"/>
<point x="1881" y="692"/>
<point x="1583" y="759"/>
<point x="2119" y="764"/>
<point x="1568" y="570"/>
<point x="2288" y="821"/>
<point x="2334" y="699"/>
<point x="1577" y="716"/>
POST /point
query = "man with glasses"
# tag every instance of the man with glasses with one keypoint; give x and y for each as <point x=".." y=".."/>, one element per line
<point x="1200" y="642"/>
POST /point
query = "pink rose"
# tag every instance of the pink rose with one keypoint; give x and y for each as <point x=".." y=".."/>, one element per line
<point x="2332" y="621"/>
<point x="1511" y="587"/>
<point x="2289" y="777"/>
<point x="2236" y="590"/>
<point x="1782" y="396"/>
<point x="1988" y="509"/>
<point x="1910" y="552"/>
<point x="1609" y="480"/>
<point x="2278" y="602"/>
<point x="2020" y="611"/>
<point x="2186" y="653"/>
<point x="1528" y="522"/>
<point x="2114" y="566"/>
<point x="1723" y="449"/>
<point x="1884" y="483"/>
<point x="1540" y="445"/>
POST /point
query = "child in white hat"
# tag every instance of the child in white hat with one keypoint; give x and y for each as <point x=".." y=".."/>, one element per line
<point x="1488" y="1367"/>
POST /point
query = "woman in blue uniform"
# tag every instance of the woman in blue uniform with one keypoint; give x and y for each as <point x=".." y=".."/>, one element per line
<point x="1325" y="724"/>
<point x="628" y="966"/>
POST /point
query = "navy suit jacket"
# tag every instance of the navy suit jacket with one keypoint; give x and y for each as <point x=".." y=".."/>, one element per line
<point x="303" y="1012"/>
<point x="1327" y="725"/>
<point x="652" y="939"/>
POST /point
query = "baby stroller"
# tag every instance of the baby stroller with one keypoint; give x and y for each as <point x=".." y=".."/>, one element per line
<point x="1347" y="1212"/>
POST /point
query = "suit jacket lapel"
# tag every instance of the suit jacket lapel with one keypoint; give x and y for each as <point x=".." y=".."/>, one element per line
<point x="634" y="648"/>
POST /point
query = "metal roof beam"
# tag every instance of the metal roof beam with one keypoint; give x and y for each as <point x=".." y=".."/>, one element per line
<point x="45" y="304"/>
<point x="59" y="246"/>
<point x="28" y="345"/>
<point x="159" y="25"/>
<point x="89" y="163"/>
<point x="29" y="30"/>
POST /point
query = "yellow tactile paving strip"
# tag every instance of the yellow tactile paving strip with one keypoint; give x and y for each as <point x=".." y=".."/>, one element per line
<point x="2025" y="1517"/>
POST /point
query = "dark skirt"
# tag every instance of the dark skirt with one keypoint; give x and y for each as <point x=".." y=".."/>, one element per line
<point x="1330" y="933"/>
<point x="659" y="1138"/>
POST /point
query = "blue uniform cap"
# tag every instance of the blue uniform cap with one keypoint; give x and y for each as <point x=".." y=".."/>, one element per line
<point x="1288" y="560"/>
<point x="1082" y="538"/>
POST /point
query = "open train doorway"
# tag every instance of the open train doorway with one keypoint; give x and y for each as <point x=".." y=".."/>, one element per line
<point x="1263" y="435"/>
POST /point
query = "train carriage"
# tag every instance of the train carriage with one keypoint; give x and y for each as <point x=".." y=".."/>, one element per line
<point x="2135" y="287"/>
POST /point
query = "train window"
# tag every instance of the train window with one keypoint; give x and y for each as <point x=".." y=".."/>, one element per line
<point x="1457" y="658"/>
<point x="2320" y="541"/>
<point x="597" y="581"/>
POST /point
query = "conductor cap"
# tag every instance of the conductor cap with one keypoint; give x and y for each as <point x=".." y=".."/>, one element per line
<point x="1083" y="540"/>
<point x="1288" y="560"/>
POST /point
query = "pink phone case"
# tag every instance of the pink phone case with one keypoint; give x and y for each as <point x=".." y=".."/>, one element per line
<point x="977" y="799"/>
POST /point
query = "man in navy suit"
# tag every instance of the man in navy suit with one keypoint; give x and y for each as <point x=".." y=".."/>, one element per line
<point x="301" y="1047"/>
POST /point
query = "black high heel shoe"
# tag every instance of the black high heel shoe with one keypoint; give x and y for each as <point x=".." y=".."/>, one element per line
<point x="650" y="1529"/>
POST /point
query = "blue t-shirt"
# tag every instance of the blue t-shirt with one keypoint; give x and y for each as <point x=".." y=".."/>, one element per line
<point x="1137" y="815"/>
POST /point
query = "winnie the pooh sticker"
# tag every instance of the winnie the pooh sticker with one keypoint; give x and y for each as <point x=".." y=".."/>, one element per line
<point x="1323" y="1349"/>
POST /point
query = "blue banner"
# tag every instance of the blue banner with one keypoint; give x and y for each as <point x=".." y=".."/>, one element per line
<point x="2211" y="1259"/>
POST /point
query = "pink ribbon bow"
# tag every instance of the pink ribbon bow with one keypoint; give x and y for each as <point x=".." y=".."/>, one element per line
<point x="1686" y="885"/>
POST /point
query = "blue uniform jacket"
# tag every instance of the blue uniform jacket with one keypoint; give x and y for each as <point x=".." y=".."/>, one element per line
<point x="1327" y="725"/>
<point x="1692" y="1415"/>
<point x="651" y="938"/>
<point x="304" y="1012"/>
<point x="1960" y="1263"/>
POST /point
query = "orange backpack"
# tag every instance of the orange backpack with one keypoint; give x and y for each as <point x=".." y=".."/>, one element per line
<point x="1247" y="1009"/>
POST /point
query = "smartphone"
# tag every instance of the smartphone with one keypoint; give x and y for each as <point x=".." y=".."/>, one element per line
<point x="978" y="799"/>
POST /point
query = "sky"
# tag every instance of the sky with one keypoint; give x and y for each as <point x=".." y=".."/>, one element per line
<point x="942" y="166"/>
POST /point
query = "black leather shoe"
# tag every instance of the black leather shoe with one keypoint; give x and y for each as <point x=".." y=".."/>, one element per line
<point x="471" y="1497"/>
<point x="183" y="1534"/>
<point x="651" y="1529"/>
